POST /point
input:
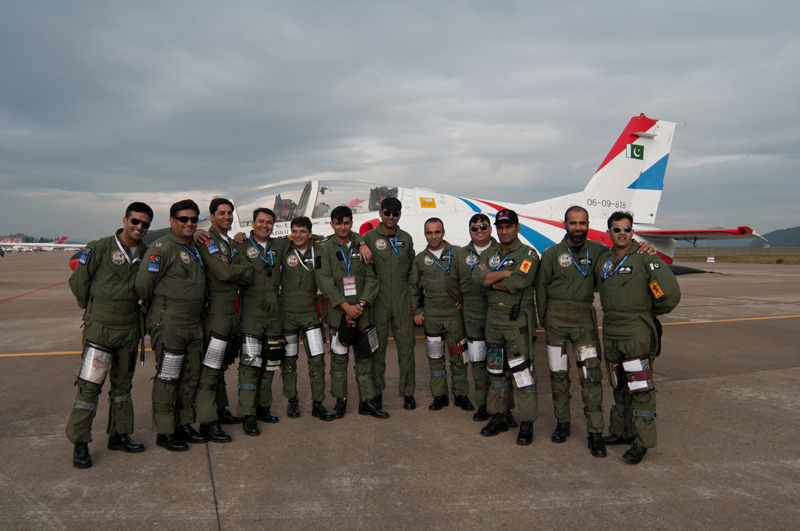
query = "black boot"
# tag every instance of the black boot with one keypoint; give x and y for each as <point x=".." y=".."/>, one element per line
<point x="613" y="440"/>
<point x="481" y="414"/>
<point x="464" y="403"/>
<point x="340" y="408"/>
<point x="171" y="443"/>
<point x="368" y="407"/>
<point x="525" y="436"/>
<point x="511" y="421"/>
<point x="250" y="426"/>
<point x="214" y="433"/>
<point x="409" y="402"/>
<point x="124" y="442"/>
<point x="264" y="415"/>
<point x="293" y="408"/>
<point x="497" y="425"/>
<point x="378" y="401"/>
<point x="634" y="455"/>
<point x="596" y="444"/>
<point x="226" y="417"/>
<point x="80" y="456"/>
<point x="439" y="402"/>
<point x="561" y="432"/>
<point x="188" y="434"/>
<point x="319" y="411"/>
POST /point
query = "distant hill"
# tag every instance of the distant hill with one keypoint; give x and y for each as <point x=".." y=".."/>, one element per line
<point x="780" y="238"/>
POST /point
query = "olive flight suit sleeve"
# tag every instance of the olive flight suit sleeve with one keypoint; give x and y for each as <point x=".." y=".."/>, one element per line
<point x="413" y="288"/>
<point x="479" y="274"/>
<point x="155" y="264"/>
<point x="663" y="284"/>
<point x="80" y="282"/>
<point x="237" y="273"/>
<point x="524" y="272"/>
<point x="371" y="284"/>
<point x="543" y="278"/>
<point x="452" y="286"/>
<point x="324" y="274"/>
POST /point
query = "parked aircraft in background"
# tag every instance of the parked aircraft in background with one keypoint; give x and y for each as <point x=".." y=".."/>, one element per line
<point x="57" y="245"/>
<point x="630" y="178"/>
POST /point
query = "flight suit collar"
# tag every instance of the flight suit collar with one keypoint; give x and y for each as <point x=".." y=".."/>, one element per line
<point x="174" y="237"/>
<point x="565" y="243"/>
<point x="471" y="245"/>
<point x="140" y="247"/>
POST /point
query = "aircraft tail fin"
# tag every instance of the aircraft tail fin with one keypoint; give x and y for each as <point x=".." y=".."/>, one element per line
<point x="630" y="178"/>
<point x="62" y="239"/>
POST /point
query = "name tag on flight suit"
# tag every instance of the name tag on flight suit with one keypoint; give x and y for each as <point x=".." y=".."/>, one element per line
<point x="349" y="286"/>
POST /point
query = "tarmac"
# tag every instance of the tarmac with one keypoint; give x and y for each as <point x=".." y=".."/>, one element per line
<point x="728" y="454"/>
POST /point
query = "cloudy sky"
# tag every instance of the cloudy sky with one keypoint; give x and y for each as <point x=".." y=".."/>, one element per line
<point x="103" y="103"/>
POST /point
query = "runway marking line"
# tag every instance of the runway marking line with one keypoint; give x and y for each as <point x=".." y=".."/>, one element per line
<point x="34" y="291"/>
<point x="423" y="337"/>
<point x="738" y="299"/>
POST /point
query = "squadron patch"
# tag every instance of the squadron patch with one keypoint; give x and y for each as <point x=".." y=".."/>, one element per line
<point x="223" y="247"/>
<point x="532" y="253"/>
<point x="526" y="266"/>
<point x="117" y="258"/>
<point x="380" y="244"/>
<point x="155" y="263"/>
<point x="624" y="270"/>
<point x="428" y="261"/>
<point x="565" y="260"/>
<point x="252" y="252"/>
<point x="654" y="266"/>
<point x="84" y="255"/>
<point x="184" y="257"/>
<point x="211" y="246"/>
<point x="292" y="260"/>
<point x="656" y="289"/>
<point x="494" y="261"/>
<point x="472" y="259"/>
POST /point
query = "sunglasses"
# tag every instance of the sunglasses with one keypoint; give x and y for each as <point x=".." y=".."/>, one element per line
<point x="184" y="219"/>
<point x="135" y="221"/>
<point x="391" y="213"/>
<point x="476" y="228"/>
<point x="618" y="229"/>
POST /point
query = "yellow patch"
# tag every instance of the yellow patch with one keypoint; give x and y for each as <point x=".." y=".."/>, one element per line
<point x="158" y="244"/>
<point x="427" y="202"/>
<point x="526" y="266"/>
<point x="656" y="289"/>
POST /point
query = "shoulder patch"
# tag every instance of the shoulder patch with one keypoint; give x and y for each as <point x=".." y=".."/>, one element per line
<point x="532" y="253"/>
<point x="154" y="264"/>
<point x="84" y="255"/>
<point x="656" y="289"/>
<point x="525" y="266"/>
<point x="654" y="266"/>
<point x="211" y="246"/>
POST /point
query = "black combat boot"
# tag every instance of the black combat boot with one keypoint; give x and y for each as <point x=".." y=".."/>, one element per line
<point x="497" y="425"/>
<point x="188" y="434"/>
<point x="596" y="444"/>
<point x="464" y="403"/>
<point x="634" y="455"/>
<point x="319" y="411"/>
<point x="171" y="443"/>
<point x="293" y="408"/>
<point x="80" y="456"/>
<point x="481" y="414"/>
<point x="368" y="407"/>
<point x="214" y="433"/>
<point x="250" y="426"/>
<point x="122" y="441"/>
<point x="439" y="402"/>
<point x="525" y="436"/>
<point x="561" y="432"/>
<point x="340" y="408"/>
<point x="226" y="417"/>
<point x="409" y="402"/>
<point x="613" y="440"/>
<point x="264" y="415"/>
<point x="378" y="401"/>
<point x="511" y="421"/>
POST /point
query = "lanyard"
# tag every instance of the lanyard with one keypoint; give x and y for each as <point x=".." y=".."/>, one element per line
<point x="226" y="245"/>
<point x="196" y="256"/>
<point x="394" y="244"/>
<point x="449" y="257"/>
<point x="122" y="250"/>
<point x="576" y="262"/>
<point x="503" y="261"/>
<point x="348" y="260"/>
<point x="472" y="261"/>
<point x="312" y="258"/>
<point x="269" y="262"/>
<point x="607" y="268"/>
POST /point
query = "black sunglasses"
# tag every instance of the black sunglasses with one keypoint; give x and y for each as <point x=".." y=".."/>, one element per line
<point x="626" y="228"/>
<point x="184" y="219"/>
<point x="476" y="228"/>
<point x="391" y="213"/>
<point x="135" y="221"/>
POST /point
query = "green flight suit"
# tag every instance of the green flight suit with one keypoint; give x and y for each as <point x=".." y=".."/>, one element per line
<point x="337" y="262"/>
<point x="261" y="316"/>
<point x="103" y="284"/>
<point x="223" y="279"/>
<point x="633" y="292"/>
<point x="436" y="277"/>
<point x="300" y="303"/>
<point x="514" y="337"/>
<point x="564" y="295"/>
<point x="171" y="284"/>
<point x="392" y="257"/>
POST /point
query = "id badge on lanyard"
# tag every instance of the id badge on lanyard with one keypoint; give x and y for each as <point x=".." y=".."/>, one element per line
<point x="349" y="286"/>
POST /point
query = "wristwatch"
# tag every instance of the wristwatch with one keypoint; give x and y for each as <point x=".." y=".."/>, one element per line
<point x="362" y="242"/>
<point x="362" y="304"/>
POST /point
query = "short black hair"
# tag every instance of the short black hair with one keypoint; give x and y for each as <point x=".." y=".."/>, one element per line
<point x="216" y="203"/>
<point x="263" y="210"/>
<point x="432" y="220"/>
<point x="186" y="204"/>
<point x="575" y="208"/>
<point x="618" y="215"/>
<point x="302" y="222"/>
<point x="391" y="203"/>
<point x="141" y="208"/>
<point x="341" y="212"/>
<point x="479" y="217"/>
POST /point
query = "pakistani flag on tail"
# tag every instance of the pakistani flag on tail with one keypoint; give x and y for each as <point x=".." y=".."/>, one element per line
<point x="633" y="151"/>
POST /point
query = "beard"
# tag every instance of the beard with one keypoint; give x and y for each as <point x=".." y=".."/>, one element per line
<point x="576" y="237"/>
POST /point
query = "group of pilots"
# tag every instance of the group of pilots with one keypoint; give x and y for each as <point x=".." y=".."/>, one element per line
<point x="206" y="298"/>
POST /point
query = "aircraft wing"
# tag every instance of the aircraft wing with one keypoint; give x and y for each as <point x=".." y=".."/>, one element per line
<point x="65" y="246"/>
<point x="703" y="234"/>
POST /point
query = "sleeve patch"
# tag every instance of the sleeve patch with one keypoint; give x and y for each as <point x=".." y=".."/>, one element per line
<point x="656" y="289"/>
<point x="211" y="246"/>
<point x="84" y="255"/>
<point x="526" y="266"/>
<point x="154" y="264"/>
<point x="654" y="266"/>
